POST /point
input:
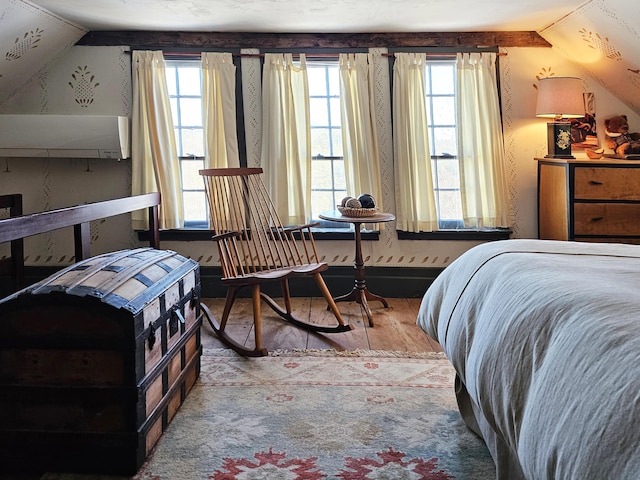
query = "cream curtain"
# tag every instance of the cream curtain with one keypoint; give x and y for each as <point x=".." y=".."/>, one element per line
<point x="286" y="136"/>
<point x="480" y="143"/>
<point x="219" y="110"/>
<point x="154" y="155"/>
<point x="415" y="200"/>
<point x="359" y="139"/>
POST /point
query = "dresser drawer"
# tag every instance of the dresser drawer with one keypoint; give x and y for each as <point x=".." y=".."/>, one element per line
<point x="607" y="183"/>
<point x="607" y="219"/>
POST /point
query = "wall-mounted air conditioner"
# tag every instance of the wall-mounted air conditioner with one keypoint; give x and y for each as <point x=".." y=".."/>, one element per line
<point x="64" y="136"/>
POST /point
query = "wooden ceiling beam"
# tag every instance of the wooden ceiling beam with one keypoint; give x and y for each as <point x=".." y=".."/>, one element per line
<point x="161" y="39"/>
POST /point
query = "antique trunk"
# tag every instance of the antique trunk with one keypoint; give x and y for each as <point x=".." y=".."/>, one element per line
<point x="96" y="360"/>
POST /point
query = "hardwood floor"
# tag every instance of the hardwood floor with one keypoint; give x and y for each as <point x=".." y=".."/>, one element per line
<point x="394" y="328"/>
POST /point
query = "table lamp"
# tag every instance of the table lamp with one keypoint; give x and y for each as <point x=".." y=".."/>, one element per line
<point x="560" y="98"/>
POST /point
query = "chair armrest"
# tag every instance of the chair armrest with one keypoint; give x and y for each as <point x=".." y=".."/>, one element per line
<point x="295" y="228"/>
<point x="223" y="236"/>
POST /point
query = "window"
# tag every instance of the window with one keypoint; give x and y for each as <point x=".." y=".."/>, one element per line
<point x="185" y="94"/>
<point x="327" y="170"/>
<point x="440" y="91"/>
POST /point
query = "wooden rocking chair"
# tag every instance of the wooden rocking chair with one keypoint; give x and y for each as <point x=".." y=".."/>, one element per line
<point x="255" y="248"/>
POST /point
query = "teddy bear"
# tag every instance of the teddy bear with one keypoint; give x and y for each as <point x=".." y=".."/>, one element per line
<point x="618" y="138"/>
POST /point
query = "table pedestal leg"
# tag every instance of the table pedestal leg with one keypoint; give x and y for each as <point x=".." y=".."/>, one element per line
<point x="360" y="294"/>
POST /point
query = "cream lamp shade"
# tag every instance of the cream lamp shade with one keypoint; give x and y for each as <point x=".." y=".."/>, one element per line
<point x="560" y="98"/>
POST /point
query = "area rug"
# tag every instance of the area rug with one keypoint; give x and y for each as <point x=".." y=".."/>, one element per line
<point x="307" y="415"/>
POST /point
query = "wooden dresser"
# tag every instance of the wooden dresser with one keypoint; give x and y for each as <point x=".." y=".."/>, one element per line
<point x="589" y="200"/>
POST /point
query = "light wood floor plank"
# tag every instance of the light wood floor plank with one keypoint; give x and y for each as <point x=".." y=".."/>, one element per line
<point x="394" y="328"/>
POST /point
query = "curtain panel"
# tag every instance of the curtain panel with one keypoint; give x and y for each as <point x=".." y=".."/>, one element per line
<point x="286" y="136"/>
<point x="359" y="134"/>
<point x="481" y="156"/>
<point x="154" y="157"/>
<point x="415" y="199"/>
<point x="219" y="110"/>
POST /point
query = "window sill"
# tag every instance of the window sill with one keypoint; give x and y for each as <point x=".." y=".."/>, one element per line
<point x="203" y="235"/>
<point x="485" y="234"/>
<point x="321" y="234"/>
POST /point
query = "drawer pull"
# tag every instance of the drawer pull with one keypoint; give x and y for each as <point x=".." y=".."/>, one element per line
<point x="597" y="219"/>
<point x="594" y="182"/>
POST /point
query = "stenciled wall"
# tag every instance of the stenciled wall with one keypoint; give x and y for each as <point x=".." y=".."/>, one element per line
<point x="97" y="80"/>
<point x="86" y="80"/>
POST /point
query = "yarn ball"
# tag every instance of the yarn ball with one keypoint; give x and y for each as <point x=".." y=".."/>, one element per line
<point x="367" y="200"/>
<point x="353" y="203"/>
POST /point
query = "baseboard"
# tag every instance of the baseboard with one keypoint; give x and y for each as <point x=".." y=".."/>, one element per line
<point x="390" y="282"/>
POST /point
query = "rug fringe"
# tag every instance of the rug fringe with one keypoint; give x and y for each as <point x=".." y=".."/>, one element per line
<point x="300" y="352"/>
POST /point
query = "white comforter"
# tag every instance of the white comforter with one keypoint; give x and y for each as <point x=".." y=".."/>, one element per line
<point x="545" y="338"/>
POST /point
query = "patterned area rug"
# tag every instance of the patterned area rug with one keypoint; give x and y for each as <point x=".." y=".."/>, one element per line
<point x="319" y="414"/>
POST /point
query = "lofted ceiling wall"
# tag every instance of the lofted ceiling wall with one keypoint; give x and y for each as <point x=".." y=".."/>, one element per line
<point x="31" y="38"/>
<point x="601" y="36"/>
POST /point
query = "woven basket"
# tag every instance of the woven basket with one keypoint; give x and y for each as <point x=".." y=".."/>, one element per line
<point x="357" y="212"/>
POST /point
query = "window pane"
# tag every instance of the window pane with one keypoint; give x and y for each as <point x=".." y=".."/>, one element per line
<point x="189" y="81"/>
<point x="334" y="81"/>
<point x="443" y="79"/>
<point x="317" y="81"/>
<point x="449" y="205"/>
<point x="444" y="111"/>
<point x="191" y="179"/>
<point x="336" y="142"/>
<point x="195" y="206"/>
<point x="447" y="173"/>
<point x="444" y="141"/>
<point x="322" y="174"/>
<point x="171" y="80"/>
<point x="334" y="105"/>
<point x="192" y="142"/>
<point x="319" y="114"/>
<point x="322" y="201"/>
<point x="320" y="142"/>
<point x="191" y="112"/>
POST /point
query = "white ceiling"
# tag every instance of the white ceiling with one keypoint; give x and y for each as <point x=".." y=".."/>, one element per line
<point x="313" y="16"/>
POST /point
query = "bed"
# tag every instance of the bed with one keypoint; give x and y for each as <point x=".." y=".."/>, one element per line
<point x="545" y="340"/>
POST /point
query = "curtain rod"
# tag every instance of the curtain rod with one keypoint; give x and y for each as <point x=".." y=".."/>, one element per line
<point x="312" y="55"/>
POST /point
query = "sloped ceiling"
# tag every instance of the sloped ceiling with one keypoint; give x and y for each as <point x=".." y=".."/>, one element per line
<point x="30" y="39"/>
<point x="310" y="16"/>
<point x="601" y="36"/>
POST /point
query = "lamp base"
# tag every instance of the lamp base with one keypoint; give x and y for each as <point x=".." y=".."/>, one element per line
<point x="559" y="140"/>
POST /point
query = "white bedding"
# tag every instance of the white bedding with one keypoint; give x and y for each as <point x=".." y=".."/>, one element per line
<point x="545" y="338"/>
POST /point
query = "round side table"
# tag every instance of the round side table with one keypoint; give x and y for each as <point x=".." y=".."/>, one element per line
<point x="359" y="294"/>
